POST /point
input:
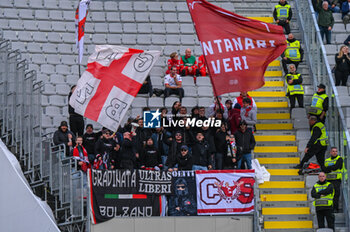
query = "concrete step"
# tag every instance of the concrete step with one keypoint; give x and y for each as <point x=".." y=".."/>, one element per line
<point x="283" y="191"/>
<point x="275" y="133"/>
<point x="282" y="184"/>
<point x="285" y="211"/>
<point x="283" y="197"/>
<point x="286" y="178"/>
<point x="292" y="160"/>
<point x="288" y="224"/>
<point x="274" y="126"/>
<point x="274" y="111"/>
<point x="274" y="138"/>
<point x="274" y="204"/>
<point x="289" y="230"/>
<point x="275" y="149"/>
<point x="272" y="104"/>
<point x="285" y="172"/>
<point x="275" y="121"/>
<point x="277" y="155"/>
<point x="269" y="99"/>
<point x="274" y="89"/>
<point x="267" y="93"/>
<point x="275" y="143"/>
<point x="293" y="217"/>
<point x="274" y="83"/>
<point x="279" y="166"/>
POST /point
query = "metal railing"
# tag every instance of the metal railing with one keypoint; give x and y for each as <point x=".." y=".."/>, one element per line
<point x="321" y="73"/>
<point x="44" y="164"/>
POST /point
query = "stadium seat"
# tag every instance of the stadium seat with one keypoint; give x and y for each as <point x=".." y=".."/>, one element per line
<point x="72" y="79"/>
<point x="52" y="111"/>
<point x="129" y="39"/>
<point x="68" y="37"/>
<point x="30" y="25"/>
<point x="26" y="14"/>
<point x="181" y="7"/>
<point x="18" y="45"/>
<point x="173" y="39"/>
<point x="169" y="6"/>
<point x="144" y="28"/>
<point x="197" y="51"/>
<point x="156" y="17"/>
<point x="135" y="112"/>
<point x="190" y="91"/>
<point x="64" y="48"/>
<point x="139" y="102"/>
<point x="98" y="39"/>
<point x="204" y="91"/>
<point x="125" y="6"/>
<point x="140" y="6"/>
<point x="45" y="100"/>
<point x="62" y="89"/>
<point x="206" y="102"/>
<point x="42" y="14"/>
<point x="115" y="27"/>
<point x="69" y="59"/>
<point x="101" y="27"/>
<point x="15" y="25"/>
<point x="158" y="39"/>
<point x="114" y="39"/>
<point x="55" y="15"/>
<point x="11" y="13"/>
<point x="143" y="39"/>
<point x="156" y="102"/>
<point x="189" y="101"/>
<point x="54" y="37"/>
<point x="62" y="69"/>
<point x="39" y="36"/>
<point x="57" y="100"/>
<point x="170" y="18"/>
<point x="58" y="26"/>
<point x="50" y="4"/>
<point x="65" y="5"/>
<point x="157" y="81"/>
<point x="70" y="27"/>
<point x="187" y="81"/>
<point x="6" y="4"/>
<point x="129" y="28"/>
<point x="169" y="101"/>
<point x="69" y="15"/>
<point x="44" y="26"/>
<point x="112" y="17"/>
<point x="203" y="81"/>
<point x="38" y="59"/>
<point x="158" y="28"/>
<point x="184" y="18"/>
<point x="127" y="17"/>
<point x="170" y="49"/>
<point x="11" y="35"/>
<point x="154" y="6"/>
<point x="172" y="28"/>
<point x="98" y="17"/>
<point x="47" y="68"/>
<point x="34" y="47"/>
<point x="46" y="121"/>
<point x="142" y="17"/>
<point x="57" y="79"/>
<point x="96" y="6"/>
<point x="186" y="29"/>
<point x="111" y="6"/>
<point x="187" y="39"/>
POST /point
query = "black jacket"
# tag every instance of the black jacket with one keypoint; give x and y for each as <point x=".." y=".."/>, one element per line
<point x="245" y="142"/>
<point x="183" y="162"/>
<point x="89" y="141"/>
<point x="220" y="142"/>
<point x="201" y="153"/>
<point x="150" y="157"/>
<point x="326" y="191"/>
<point x="126" y="151"/>
<point x="342" y="64"/>
<point x="174" y="151"/>
<point x="105" y="146"/>
<point x="315" y="135"/>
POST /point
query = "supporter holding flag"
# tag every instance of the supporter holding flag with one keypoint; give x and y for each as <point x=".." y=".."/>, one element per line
<point x="237" y="56"/>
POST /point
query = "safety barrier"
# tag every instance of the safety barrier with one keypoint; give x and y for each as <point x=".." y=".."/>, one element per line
<point x="321" y="73"/>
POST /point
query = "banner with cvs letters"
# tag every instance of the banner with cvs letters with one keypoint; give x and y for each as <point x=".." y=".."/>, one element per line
<point x="225" y="192"/>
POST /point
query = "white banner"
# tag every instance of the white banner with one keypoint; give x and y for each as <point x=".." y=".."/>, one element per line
<point x="225" y="192"/>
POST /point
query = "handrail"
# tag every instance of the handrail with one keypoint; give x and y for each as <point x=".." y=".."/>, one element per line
<point x="321" y="72"/>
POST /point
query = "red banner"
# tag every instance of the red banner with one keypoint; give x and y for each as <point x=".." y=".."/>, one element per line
<point x="237" y="50"/>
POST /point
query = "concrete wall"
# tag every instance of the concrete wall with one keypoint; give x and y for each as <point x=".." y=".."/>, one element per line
<point x="178" y="224"/>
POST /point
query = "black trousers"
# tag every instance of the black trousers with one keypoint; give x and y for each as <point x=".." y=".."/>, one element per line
<point x="317" y="150"/>
<point x="340" y="77"/>
<point x="289" y="61"/>
<point x="76" y="123"/>
<point x="285" y="26"/>
<point x="336" y="184"/>
<point x="299" y="97"/>
<point x="179" y="91"/>
<point x="328" y="214"/>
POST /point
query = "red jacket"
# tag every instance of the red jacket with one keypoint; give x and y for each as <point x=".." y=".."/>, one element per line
<point x="84" y="159"/>
<point x="173" y="62"/>
<point x="234" y="119"/>
<point x="240" y="100"/>
<point x="201" y="62"/>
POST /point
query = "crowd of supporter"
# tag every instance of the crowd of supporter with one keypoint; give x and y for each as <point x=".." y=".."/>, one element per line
<point x="224" y="146"/>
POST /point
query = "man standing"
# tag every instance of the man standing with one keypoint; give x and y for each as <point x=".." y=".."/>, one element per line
<point x="294" y="89"/>
<point x="334" y="167"/>
<point x="317" y="144"/>
<point x="319" y="103"/>
<point x="293" y="54"/>
<point x="245" y="143"/>
<point x="283" y="14"/>
<point x="325" y="22"/>
<point x="189" y="65"/>
<point x="248" y="114"/>
<point x="173" y="84"/>
<point x="323" y="193"/>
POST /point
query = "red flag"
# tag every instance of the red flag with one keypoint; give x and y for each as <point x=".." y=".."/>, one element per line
<point x="237" y="50"/>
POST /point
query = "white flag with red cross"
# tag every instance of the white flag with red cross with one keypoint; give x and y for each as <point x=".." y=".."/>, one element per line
<point x="113" y="77"/>
<point x="80" y="18"/>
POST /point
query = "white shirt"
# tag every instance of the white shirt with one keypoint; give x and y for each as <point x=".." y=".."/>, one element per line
<point x="170" y="80"/>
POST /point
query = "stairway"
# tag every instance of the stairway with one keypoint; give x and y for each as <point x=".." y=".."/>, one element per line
<point x="283" y="200"/>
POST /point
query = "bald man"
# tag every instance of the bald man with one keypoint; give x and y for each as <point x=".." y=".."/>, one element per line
<point x="189" y="65"/>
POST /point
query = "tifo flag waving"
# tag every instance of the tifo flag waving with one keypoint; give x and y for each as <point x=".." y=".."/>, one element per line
<point x="80" y="18"/>
<point x="237" y="50"/>
<point x="113" y="77"/>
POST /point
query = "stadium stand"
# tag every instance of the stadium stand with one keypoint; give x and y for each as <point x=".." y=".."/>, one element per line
<point x="43" y="31"/>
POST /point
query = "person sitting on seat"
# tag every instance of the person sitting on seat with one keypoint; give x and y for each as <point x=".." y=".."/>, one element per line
<point x="173" y="84"/>
<point x="189" y="65"/>
<point x="174" y="61"/>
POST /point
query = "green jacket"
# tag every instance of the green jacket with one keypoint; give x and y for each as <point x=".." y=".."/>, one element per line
<point x="325" y="18"/>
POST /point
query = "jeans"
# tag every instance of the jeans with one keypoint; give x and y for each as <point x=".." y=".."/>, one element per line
<point x="324" y="31"/>
<point x="164" y="159"/>
<point x="199" y="167"/>
<point x="335" y="9"/>
<point x="248" y="160"/>
<point x="179" y="92"/>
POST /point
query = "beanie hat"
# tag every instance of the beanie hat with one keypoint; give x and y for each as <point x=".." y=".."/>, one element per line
<point x="237" y="106"/>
